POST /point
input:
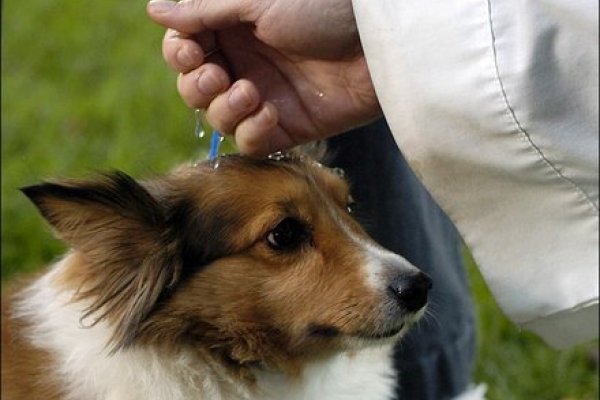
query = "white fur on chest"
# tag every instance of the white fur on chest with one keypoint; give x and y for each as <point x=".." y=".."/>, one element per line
<point x="364" y="375"/>
<point x="89" y="373"/>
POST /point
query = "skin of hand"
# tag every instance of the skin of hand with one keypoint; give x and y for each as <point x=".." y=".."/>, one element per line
<point x="275" y="73"/>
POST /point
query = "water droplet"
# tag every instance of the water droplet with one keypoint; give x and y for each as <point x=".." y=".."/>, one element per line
<point x="199" y="130"/>
<point x="339" y="172"/>
<point x="277" y="156"/>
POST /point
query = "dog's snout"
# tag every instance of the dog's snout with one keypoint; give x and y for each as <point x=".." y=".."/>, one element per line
<point x="411" y="291"/>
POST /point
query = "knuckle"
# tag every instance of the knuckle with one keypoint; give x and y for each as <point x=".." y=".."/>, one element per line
<point x="188" y="92"/>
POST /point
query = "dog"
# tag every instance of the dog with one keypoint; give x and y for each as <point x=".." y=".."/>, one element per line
<point x="247" y="281"/>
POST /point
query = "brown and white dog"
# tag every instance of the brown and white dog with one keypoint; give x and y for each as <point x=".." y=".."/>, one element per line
<point x="248" y="281"/>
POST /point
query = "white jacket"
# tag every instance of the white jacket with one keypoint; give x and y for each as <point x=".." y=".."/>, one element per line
<point x="495" y="106"/>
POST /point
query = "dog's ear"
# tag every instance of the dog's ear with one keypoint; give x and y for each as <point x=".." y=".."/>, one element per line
<point x="83" y="212"/>
<point x="131" y="257"/>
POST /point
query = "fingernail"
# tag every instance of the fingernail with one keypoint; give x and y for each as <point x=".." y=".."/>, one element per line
<point x="187" y="58"/>
<point x="161" y="6"/>
<point x="240" y="99"/>
<point x="208" y="84"/>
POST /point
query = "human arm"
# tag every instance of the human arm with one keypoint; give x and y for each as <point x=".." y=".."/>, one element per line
<point x="495" y="106"/>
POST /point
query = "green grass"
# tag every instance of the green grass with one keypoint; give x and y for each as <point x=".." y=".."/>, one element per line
<point x="84" y="88"/>
<point x="517" y="365"/>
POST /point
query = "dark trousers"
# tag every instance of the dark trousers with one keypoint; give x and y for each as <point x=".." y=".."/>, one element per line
<point x="435" y="360"/>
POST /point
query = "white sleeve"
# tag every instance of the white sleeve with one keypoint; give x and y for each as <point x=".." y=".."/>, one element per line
<point x="495" y="106"/>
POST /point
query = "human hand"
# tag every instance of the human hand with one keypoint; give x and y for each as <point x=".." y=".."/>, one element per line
<point x="283" y="72"/>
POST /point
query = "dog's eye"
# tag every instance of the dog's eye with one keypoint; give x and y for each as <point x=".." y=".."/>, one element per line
<point x="288" y="234"/>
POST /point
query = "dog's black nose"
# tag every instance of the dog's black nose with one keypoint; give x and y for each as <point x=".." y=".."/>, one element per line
<point x="410" y="291"/>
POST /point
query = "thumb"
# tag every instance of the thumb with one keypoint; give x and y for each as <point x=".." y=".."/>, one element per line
<point x="196" y="16"/>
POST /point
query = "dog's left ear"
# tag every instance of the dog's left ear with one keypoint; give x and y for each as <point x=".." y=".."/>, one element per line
<point x="130" y="253"/>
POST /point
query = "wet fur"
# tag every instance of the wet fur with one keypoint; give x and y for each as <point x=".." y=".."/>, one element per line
<point x="172" y="280"/>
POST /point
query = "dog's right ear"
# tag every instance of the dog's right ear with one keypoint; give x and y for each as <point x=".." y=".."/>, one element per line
<point x="82" y="213"/>
<point x="132" y="256"/>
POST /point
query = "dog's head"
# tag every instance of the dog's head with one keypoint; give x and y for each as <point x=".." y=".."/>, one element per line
<point x="257" y="261"/>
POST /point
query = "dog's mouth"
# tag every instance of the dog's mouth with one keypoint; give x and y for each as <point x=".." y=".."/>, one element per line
<point x="386" y="334"/>
<point x="331" y="332"/>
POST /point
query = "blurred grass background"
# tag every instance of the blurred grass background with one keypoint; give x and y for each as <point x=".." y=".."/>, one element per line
<point x="84" y="88"/>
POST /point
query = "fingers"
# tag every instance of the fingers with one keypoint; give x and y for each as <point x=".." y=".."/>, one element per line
<point x="260" y="134"/>
<point x="182" y="54"/>
<point x="204" y="82"/>
<point x="229" y="108"/>
<point x="195" y="16"/>
<point x="238" y="111"/>
<point x="200" y="86"/>
<point x="235" y="110"/>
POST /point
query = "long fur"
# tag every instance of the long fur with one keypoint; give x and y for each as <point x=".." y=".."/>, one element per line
<point x="250" y="281"/>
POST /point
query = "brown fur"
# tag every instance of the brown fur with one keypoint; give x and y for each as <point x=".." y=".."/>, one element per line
<point x="183" y="261"/>
<point x="25" y="368"/>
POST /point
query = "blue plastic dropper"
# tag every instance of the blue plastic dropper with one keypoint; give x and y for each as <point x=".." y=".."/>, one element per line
<point x="215" y="143"/>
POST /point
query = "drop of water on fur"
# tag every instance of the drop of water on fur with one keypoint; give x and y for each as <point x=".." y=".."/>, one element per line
<point x="277" y="156"/>
<point x="339" y="172"/>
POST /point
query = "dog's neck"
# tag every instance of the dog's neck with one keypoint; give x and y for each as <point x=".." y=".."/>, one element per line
<point x="146" y="373"/>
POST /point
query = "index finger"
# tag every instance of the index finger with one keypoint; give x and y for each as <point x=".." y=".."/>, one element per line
<point x="182" y="54"/>
<point x="195" y="16"/>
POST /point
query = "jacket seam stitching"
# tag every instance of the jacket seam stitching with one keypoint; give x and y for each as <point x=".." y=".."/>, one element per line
<point x="520" y="128"/>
